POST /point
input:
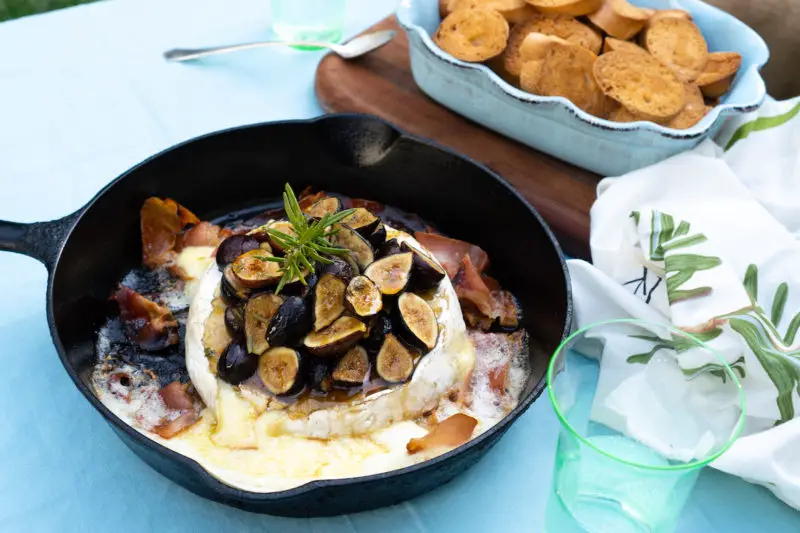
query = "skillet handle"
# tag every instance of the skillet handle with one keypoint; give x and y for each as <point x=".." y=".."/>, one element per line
<point x="40" y="240"/>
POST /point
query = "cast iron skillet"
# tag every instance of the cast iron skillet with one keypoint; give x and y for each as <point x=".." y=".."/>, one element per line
<point x="88" y="252"/>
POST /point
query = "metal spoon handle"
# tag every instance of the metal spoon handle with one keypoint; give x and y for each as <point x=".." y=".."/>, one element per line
<point x="185" y="54"/>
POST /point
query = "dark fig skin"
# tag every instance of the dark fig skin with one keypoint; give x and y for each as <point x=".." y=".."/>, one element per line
<point x="236" y="365"/>
<point x="233" y="247"/>
<point x="340" y="268"/>
<point x="296" y="288"/>
<point x="382" y="326"/>
<point x="234" y="321"/>
<point x="425" y="274"/>
<point x="377" y="237"/>
<point x="291" y="323"/>
<point x="390" y="247"/>
<point x="319" y="375"/>
<point x="231" y="290"/>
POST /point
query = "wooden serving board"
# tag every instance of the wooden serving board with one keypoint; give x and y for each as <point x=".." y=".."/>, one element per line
<point x="381" y="84"/>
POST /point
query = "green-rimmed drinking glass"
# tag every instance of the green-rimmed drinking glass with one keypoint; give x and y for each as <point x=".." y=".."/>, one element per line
<point x="308" y="20"/>
<point x="636" y="430"/>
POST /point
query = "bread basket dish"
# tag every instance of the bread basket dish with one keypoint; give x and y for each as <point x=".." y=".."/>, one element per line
<point x="607" y="85"/>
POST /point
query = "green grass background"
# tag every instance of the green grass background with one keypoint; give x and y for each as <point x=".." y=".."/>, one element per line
<point x="11" y="9"/>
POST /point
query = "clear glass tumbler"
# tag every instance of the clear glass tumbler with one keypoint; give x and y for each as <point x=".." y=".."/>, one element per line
<point x="635" y="433"/>
<point x="308" y="20"/>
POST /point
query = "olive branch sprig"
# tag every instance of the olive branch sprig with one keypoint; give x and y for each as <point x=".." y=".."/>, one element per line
<point x="308" y="245"/>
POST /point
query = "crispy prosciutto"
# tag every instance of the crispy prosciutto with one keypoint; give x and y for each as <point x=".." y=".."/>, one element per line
<point x="161" y="223"/>
<point x="181" y="406"/>
<point x="450" y="252"/>
<point x="470" y="287"/>
<point x="308" y="198"/>
<point x="176" y="396"/>
<point x="173" y="427"/>
<point x="451" y="432"/>
<point x="506" y="308"/>
<point x="204" y="234"/>
<point x="152" y="326"/>
<point x="482" y="300"/>
<point x="168" y="227"/>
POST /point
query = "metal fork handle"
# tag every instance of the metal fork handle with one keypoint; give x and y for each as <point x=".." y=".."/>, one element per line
<point x="185" y="54"/>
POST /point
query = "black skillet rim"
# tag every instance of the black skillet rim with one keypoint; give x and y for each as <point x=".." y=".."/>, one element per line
<point x="229" y="491"/>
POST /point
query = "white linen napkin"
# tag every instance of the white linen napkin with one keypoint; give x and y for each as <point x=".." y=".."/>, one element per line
<point x="708" y="241"/>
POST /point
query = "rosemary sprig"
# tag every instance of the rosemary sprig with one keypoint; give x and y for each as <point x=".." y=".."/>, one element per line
<point x="309" y="245"/>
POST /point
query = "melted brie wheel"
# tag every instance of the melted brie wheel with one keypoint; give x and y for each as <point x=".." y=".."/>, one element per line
<point x="256" y="442"/>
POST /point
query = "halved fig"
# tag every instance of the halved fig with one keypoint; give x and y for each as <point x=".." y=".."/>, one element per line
<point x="280" y="369"/>
<point x="234" y="321"/>
<point x="284" y="226"/>
<point x="236" y="364"/>
<point x="391" y="274"/>
<point x="353" y="368"/>
<point x="254" y="270"/>
<point x="390" y="247"/>
<point x="231" y="289"/>
<point x="290" y="323"/>
<point x="381" y="327"/>
<point x="425" y="273"/>
<point x="363" y="298"/>
<point x="327" y="206"/>
<point x="418" y="321"/>
<point x="351" y="240"/>
<point x="319" y="375"/>
<point x="377" y="237"/>
<point x="362" y="220"/>
<point x="341" y="268"/>
<point x="328" y="300"/>
<point x="337" y="338"/>
<point x="395" y="361"/>
<point x="233" y="247"/>
<point x="257" y="315"/>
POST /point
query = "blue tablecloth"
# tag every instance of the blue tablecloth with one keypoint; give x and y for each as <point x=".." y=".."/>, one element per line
<point x="84" y="94"/>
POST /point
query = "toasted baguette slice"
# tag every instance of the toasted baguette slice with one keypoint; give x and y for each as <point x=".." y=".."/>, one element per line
<point x="678" y="43"/>
<point x="473" y="34"/>
<point x="622" y="114"/>
<point x="668" y="13"/>
<point x="619" y="19"/>
<point x="641" y="83"/>
<point x="694" y="98"/>
<point x="514" y="11"/>
<point x="556" y="67"/>
<point x="446" y="7"/>
<point x="614" y="45"/>
<point x="557" y="25"/>
<point x="716" y="78"/>
<point x="693" y="110"/>
<point x="689" y="117"/>
<point x="575" y="8"/>
<point x="497" y="64"/>
<point x="683" y="120"/>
